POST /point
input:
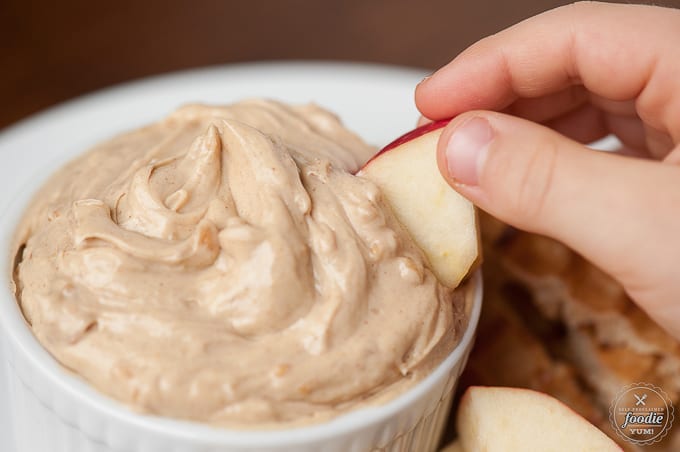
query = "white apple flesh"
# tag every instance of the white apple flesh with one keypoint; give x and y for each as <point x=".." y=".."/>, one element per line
<point x="503" y="419"/>
<point x="440" y="221"/>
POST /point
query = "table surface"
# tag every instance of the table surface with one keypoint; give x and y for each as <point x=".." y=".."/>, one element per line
<point x="53" y="51"/>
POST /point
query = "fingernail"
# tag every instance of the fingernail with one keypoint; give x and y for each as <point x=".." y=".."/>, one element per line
<point x="427" y="77"/>
<point x="467" y="149"/>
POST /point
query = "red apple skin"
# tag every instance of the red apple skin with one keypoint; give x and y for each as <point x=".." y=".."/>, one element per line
<point x="412" y="135"/>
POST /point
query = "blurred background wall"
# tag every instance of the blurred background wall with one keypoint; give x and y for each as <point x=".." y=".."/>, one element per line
<point x="52" y="51"/>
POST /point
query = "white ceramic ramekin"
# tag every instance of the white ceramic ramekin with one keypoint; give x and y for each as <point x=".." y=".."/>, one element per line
<point x="51" y="410"/>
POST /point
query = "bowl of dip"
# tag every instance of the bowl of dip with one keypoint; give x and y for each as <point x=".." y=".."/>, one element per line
<point x="219" y="280"/>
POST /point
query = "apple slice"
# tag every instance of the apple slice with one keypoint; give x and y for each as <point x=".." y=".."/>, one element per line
<point x="442" y="223"/>
<point x="503" y="419"/>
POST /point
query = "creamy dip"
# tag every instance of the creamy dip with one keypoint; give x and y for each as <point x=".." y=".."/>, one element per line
<point x="224" y="265"/>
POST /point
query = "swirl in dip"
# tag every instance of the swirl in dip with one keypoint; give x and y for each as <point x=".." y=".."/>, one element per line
<point x="224" y="265"/>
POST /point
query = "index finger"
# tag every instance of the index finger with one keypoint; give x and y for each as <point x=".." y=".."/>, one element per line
<point x="619" y="52"/>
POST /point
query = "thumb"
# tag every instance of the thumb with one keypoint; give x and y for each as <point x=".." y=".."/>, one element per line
<point x="616" y="211"/>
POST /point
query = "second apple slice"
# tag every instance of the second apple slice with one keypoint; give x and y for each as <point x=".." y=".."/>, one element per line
<point x="497" y="419"/>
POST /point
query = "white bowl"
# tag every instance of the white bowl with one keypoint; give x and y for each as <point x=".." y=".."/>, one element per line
<point x="52" y="410"/>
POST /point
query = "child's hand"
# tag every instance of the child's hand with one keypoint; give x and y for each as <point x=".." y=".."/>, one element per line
<point x="575" y="74"/>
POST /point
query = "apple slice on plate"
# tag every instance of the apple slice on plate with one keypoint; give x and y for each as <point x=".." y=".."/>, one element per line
<point x="442" y="223"/>
<point x="502" y="419"/>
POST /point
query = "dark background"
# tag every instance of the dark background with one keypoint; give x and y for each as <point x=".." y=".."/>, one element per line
<point x="55" y="50"/>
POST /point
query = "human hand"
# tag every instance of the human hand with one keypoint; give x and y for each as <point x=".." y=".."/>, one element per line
<point x="526" y="99"/>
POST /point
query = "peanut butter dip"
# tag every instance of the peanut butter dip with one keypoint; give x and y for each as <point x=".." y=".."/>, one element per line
<point x="224" y="265"/>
